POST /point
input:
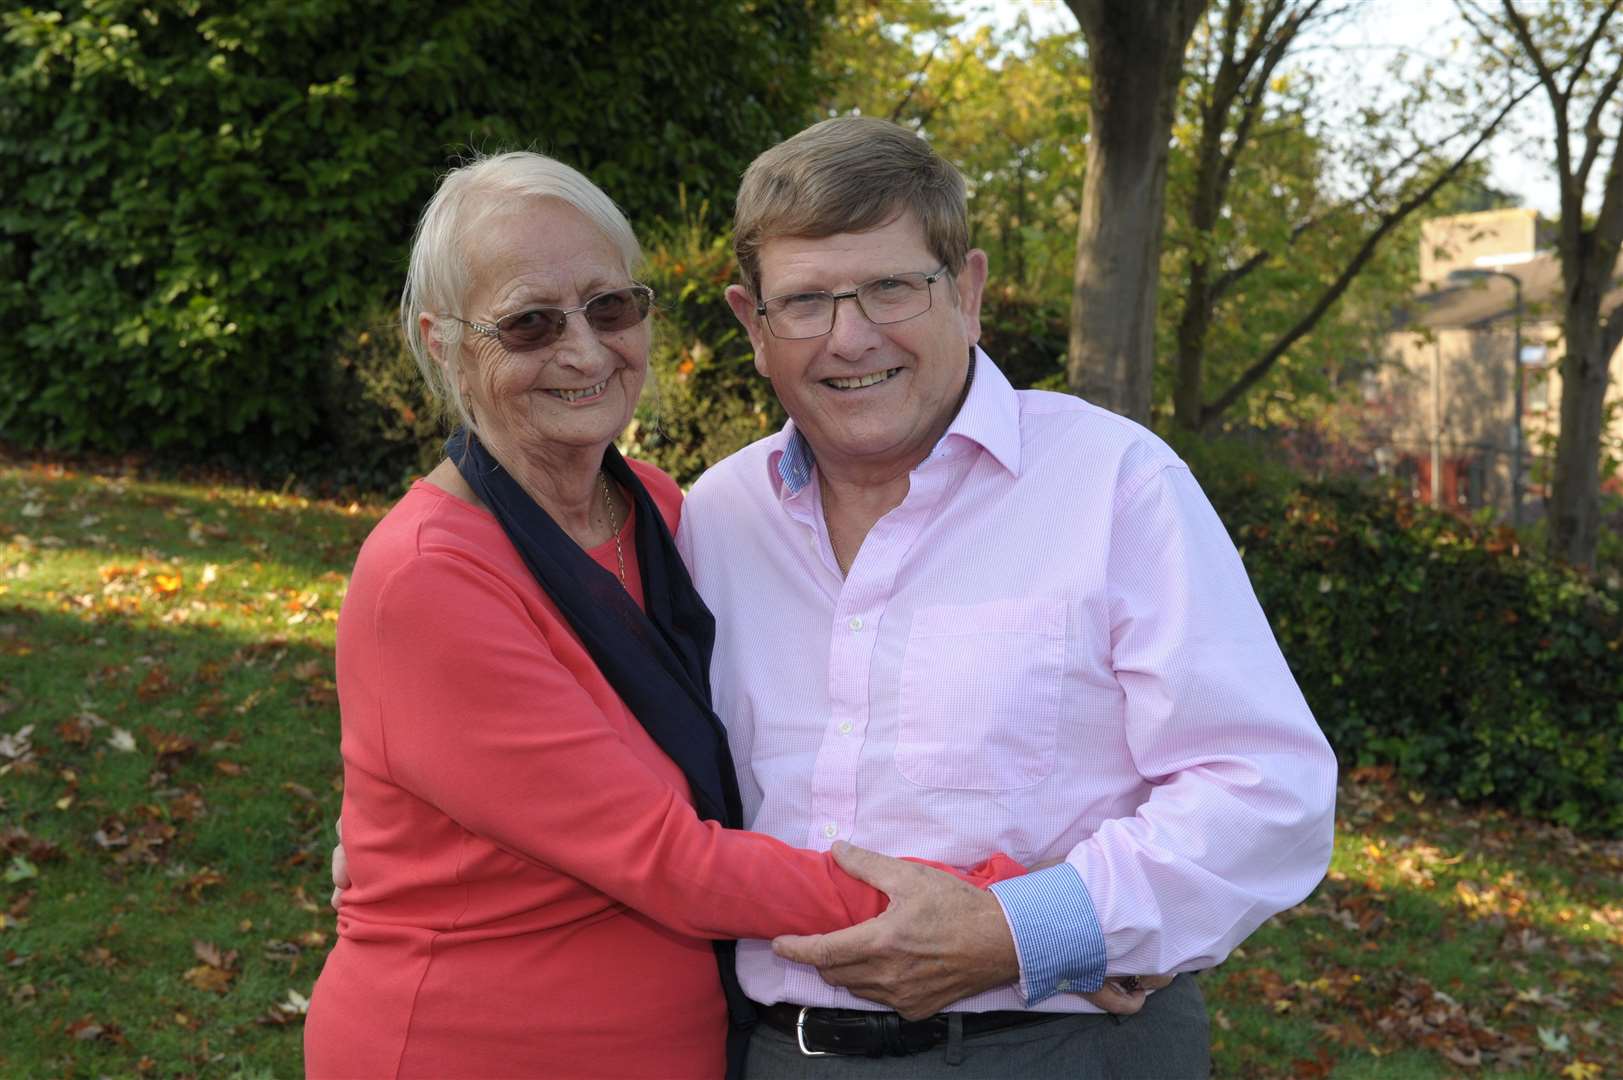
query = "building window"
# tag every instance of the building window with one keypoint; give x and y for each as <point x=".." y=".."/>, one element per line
<point x="1536" y="389"/>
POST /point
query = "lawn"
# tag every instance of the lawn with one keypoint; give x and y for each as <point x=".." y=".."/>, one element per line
<point x="169" y="774"/>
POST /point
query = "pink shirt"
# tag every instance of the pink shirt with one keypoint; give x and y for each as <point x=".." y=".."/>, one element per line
<point x="1050" y="649"/>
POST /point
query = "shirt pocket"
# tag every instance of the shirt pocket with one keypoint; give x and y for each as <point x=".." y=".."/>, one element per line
<point x="980" y="695"/>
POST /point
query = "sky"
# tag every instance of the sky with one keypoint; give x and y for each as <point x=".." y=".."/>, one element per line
<point x="1377" y="31"/>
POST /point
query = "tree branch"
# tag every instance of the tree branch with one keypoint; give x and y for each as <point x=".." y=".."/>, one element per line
<point x="1233" y="276"/>
<point x="918" y="79"/>
<point x="1588" y="47"/>
<point x="1594" y="137"/>
<point x="1366" y="251"/>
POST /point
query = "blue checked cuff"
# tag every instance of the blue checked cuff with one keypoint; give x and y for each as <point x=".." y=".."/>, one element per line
<point x="1056" y="933"/>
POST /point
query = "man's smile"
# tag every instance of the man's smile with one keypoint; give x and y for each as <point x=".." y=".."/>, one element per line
<point x="857" y="382"/>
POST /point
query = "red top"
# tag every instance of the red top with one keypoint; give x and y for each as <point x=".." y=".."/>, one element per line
<point x="532" y="889"/>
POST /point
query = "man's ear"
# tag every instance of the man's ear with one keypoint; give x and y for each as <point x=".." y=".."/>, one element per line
<point x="971" y="282"/>
<point x="743" y="305"/>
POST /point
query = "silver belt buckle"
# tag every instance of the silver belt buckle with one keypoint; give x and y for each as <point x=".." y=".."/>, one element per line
<point x="800" y="1035"/>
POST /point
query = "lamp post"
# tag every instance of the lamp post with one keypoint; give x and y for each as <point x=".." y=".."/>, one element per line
<point x="1477" y="273"/>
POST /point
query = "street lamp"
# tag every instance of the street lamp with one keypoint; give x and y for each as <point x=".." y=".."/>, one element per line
<point x="1485" y="269"/>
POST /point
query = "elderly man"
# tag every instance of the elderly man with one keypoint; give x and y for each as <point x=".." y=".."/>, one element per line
<point x="956" y="618"/>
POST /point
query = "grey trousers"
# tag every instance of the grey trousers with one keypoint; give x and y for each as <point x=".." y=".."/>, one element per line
<point x="1169" y="1039"/>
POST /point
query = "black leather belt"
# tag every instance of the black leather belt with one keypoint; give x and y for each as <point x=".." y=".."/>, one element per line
<point x="881" y="1034"/>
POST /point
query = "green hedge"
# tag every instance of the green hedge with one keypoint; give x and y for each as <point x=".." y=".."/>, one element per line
<point x="204" y="205"/>
<point x="1433" y="645"/>
<point x="705" y="398"/>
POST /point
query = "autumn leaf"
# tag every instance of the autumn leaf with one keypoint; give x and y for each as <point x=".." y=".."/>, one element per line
<point x="154" y="685"/>
<point x="167" y="744"/>
<point x="212" y="979"/>
<point x="1581" y="1070"/>
<point x="205" y="878"/>
<point x="75" y="732"/>
<point x="187" y="806"/>
<point x="290" y="1009"/>
<point x="20" y="869"/>
<point x="210" y="954"/>
<point x="89" y="1029"/>
<point x="216" y="971"/>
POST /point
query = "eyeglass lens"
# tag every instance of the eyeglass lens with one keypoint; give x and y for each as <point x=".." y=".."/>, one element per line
<point x="606" y="313"/>
<point x="883" y="300"/>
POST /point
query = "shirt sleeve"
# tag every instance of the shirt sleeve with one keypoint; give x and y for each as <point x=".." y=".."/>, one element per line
<point x="1238" y="821"/>
<point x="481" y="719"/>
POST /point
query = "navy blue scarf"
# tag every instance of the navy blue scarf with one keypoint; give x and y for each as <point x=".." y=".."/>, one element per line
<point x="657" y="657"/>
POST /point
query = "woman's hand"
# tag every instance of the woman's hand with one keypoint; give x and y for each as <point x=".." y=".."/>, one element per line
<point x="340" y="867"/>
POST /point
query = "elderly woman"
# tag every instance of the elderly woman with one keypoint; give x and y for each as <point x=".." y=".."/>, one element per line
<point x="536" y="792"/>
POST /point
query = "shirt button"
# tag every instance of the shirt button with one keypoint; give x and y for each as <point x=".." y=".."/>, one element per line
<point x="845" y="727"/>
<point x="831" y="830"/>
<point x="855" y="623"/>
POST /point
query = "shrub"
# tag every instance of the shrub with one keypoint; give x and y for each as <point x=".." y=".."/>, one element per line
<point x="384" y="428"/>
<point x="201" y="200"/>
<point x="1437" y="646"/>
<point x="706" y="399"/>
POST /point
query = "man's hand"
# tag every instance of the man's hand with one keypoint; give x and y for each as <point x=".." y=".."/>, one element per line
<point x="1124" y="995"/>
<point x="940" y="940"/>
<point x="340" y="867"/>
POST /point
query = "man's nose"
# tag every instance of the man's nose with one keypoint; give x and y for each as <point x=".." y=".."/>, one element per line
<point x="853" y="331"/>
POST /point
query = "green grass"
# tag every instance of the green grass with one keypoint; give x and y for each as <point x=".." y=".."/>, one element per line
<point x="165" y="825"/>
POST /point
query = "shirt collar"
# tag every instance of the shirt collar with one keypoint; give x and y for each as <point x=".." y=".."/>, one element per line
<point x="989" y="418"/>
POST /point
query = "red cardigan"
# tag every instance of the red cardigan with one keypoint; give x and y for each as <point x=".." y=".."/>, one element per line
<point x="533" y="892"/>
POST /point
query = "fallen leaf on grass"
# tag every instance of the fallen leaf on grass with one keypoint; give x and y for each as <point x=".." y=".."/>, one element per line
<point x="17" y="745"/>
<point x="1582" y="1070"/>
<point x="168" y="745"/>
<point x="216" y="971"/>
<point x="277" y="949"/>
<point x="89" y="1029"/>
<point x="1553" y="1041"/>
<point x="16" y="840"/>
<point x="187" y="806"/>
<point x="1315" y="1068"/>
<point x="155" y="684"/>
<point x="212" y="979"/>
<point x="75" y="732"/>
<point x="292" y="1008"/>
<point x="204" y="879"/>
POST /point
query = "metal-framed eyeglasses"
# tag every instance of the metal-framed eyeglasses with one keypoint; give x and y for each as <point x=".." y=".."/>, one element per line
<point x="536" y="328"/>
<point x="890" y="299"/>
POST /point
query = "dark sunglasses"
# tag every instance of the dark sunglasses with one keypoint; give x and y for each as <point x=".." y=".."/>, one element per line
<point x="536" y="328"/>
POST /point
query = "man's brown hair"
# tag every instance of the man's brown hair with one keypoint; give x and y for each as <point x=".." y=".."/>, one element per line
<point x="848" y="174"/>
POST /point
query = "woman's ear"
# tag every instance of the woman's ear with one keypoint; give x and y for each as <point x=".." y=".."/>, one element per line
<point x="428" y="326"/>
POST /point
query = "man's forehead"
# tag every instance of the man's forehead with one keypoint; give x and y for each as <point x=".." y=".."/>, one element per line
<point x="891" y="248"/>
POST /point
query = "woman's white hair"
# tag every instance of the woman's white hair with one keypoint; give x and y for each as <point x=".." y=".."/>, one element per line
<point x="439" y="274"/>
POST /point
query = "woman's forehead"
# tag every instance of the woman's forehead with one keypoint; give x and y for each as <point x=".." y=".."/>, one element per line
<point x="544" y="251"/>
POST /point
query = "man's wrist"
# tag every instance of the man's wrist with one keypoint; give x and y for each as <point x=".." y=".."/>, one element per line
<point x="1057" y="937"/>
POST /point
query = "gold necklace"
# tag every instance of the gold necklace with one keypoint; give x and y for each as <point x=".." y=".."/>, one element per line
<point x="608" y="500"/>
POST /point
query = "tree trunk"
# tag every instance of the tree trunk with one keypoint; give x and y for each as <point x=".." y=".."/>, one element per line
<point x="1575" y="486"/>
<point x="1189" y="389"/>
<point x="1136" y="51"/>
